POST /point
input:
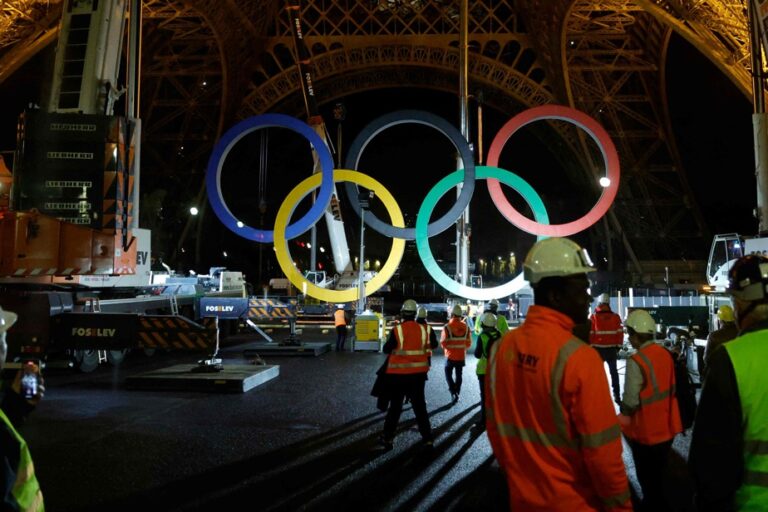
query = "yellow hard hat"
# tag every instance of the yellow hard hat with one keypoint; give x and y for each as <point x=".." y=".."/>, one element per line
<point x="555" y="257"/>
<point x="725" y="313"/>
<point x="7" y="319"/>
<point x="409" y="306"/>
<point x="488" y="320"/>
<point x="641" y="322"/>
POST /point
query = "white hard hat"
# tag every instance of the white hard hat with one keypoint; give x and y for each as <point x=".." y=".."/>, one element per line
<point x="456" y="311"/>
<point x="555" y="257"/>
<point x="7" y="319"/>
<point x="421" y="312"/>
<point x="493" y="304"/>
<point x="409" y="306"/>
<point x="641" y="322"/>
<point x="488" y="320"/>
<point x="604" y="298"/>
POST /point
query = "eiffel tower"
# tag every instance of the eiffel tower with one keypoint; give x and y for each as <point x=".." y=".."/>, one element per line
<point x="208" y="63"/>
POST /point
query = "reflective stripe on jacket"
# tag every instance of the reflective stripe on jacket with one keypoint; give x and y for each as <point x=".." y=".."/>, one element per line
<point x="412" y="351"/>
<point x="339" y="318"/>
<point x="658" y="417"/>
<point x="748" y="354"/>
<point x="551" y="421"/>
<point x="606" y="330"/>
<point x="26" y="490"/>
<point x="456" y="339"/>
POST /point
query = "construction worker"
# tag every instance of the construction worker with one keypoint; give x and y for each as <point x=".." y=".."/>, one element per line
<point x="340" y="321"/>
<point x="502" y="325"/>
<point x="726" y="331"/>
<point x="489" y="335"/>
<point x="728" y="458"/>
<point x="551" y="422"/>
<point x="607" y="337"/>
<point x="19" y="486"/>
<point x="408" y="346"/>
<point x="455" y="340"/>
<point x="650" y="415"/>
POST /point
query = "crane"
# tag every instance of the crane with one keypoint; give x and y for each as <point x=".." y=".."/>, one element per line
<point x="346" y="276"/>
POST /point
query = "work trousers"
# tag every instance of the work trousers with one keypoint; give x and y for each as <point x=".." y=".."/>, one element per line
<point x="650" y="463"/>
<point x="481" y="381"/>
<point x="610" y="355"/>
<point x="412" y="386"/>
<point x="451" y="368"/>
<point x="341" y="337"/>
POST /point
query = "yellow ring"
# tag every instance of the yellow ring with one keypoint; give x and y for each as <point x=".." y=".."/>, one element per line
<point x="283" y="253"/>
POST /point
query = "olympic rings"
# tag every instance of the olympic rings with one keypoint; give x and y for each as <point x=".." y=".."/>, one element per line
<point x="225" y="144"/>
<point x="422" y="242"/>
<point x="281" y="240"/>
<point x="397" y="231"/>
<point x="413" y="117"/>
<point x="601" y="138"/>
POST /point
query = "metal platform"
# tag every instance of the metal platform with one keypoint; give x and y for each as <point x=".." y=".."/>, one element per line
<point x="304" y="348"/>
<point x="234" y="378"/>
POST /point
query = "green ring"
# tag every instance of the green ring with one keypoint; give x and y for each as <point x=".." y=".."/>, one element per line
<point x="425" y="211"/>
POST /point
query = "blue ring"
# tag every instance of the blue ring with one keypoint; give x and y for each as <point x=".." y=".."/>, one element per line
<point x="433" y="121"/>
<point x="227" y="142"/>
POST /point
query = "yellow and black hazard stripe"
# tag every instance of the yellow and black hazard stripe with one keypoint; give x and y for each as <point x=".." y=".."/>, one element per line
<point x="173" y="332"/>
<point x="270" y="309"/>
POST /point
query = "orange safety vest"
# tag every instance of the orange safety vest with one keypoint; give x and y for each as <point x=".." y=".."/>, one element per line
<point x="456" y="339"/>
<point x="339" y="318"/>
<point x="551" y="422"/>
<point x="606" y="328"/>
<point x="658" y="418"/>
<point x="412" y="352"/>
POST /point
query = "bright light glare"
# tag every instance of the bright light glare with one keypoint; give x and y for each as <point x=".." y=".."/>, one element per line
<point x="605" y="182"/>
<point x="240" y="224"/>
<point x="193" y="210"/>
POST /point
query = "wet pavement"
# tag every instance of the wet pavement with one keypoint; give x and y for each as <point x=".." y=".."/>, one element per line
<point x="305" y="440"/>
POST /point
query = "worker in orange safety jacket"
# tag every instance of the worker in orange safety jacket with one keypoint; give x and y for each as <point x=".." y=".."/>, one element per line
<point x="455" y="339"/>
<point x="340" y="321"/>
<point x="650" y="416"/>
<point x="550" y="419"/>
<point x="408" y="346"/>
<point x="606" y="335"/>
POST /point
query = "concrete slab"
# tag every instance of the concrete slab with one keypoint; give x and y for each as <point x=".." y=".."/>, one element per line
<point x="304" y="348"/>
<point x="234" y="378"/>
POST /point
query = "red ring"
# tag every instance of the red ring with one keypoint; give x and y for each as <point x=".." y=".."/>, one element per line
<point x="598" y="134"/>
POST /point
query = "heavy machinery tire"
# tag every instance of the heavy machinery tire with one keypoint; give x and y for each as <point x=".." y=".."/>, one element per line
<point x="115" y="357"/>
<point x="86" y="360"/>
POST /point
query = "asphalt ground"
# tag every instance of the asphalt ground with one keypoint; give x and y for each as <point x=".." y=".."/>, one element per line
<point x="305" y="440"/>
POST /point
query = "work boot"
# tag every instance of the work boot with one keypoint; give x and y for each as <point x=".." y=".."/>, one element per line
<point x="454" y="398"/>
<point x="385" y="443"/>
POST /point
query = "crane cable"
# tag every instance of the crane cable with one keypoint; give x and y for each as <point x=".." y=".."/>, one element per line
<point x="263" y="160"/>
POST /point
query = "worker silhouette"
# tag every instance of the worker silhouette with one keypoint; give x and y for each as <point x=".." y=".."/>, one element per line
<point x="606" y="335"/>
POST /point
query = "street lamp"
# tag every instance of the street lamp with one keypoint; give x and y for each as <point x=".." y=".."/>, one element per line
<point x="365" y="203"/>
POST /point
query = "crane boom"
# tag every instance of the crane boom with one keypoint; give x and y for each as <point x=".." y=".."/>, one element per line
<point x="333" y="220"/>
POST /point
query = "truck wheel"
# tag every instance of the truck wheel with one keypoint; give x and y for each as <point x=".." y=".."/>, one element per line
<point x="86" y="360"/>
<point x="115" y="357"/>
